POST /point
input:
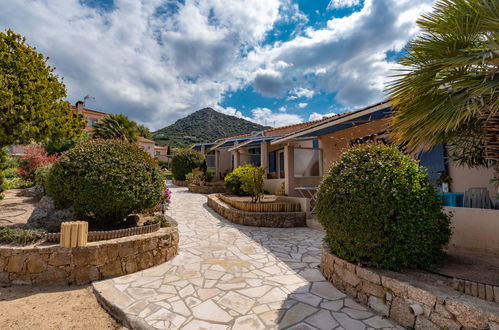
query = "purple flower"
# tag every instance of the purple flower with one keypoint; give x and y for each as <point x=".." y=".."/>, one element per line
<point x="168" y="195"/>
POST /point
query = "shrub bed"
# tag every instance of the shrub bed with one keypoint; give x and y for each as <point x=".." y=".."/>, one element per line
<point x="379" y="209"/>
<point x="105" y="180"/>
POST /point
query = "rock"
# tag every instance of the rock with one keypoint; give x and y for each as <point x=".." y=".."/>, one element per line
<point x="421" y="296"/>
<point x="424" y="324"/>
<point x="373" y="289"/>
<point x="378" y="305"/>
<point x="36" y="263"/>
<point x="35" y="191"/>
<point x="368" y="275"/>
<point x="444" y="322"/>
<point x="468" y="316"/>
<point x="401" y="313"/>
<point x="45" y="215"/>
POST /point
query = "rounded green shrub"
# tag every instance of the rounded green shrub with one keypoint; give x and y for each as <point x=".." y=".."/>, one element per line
<point x="42" y="175"/>
<point x="234" y="180"/>
<point x="106" y="180"/>
<point x="379" y="209"/>
<point x="185" y="161"/>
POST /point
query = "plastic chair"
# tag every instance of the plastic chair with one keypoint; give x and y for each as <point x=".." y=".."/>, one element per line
<point x="477" y="198"/>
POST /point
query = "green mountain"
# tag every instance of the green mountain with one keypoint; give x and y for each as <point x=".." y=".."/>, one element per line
<point x="205" y="125"/>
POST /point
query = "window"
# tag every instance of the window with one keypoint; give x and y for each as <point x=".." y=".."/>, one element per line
<point x="91" y="122"/>
<point x="306" y="162"/>
<point x="158" y="153"/>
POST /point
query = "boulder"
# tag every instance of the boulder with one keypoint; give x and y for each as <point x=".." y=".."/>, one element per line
<point x="35" y="192"/>
<point x="45" y="215"/>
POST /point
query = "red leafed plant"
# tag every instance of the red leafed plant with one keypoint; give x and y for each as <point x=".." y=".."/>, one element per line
<point x="34" y="158"/>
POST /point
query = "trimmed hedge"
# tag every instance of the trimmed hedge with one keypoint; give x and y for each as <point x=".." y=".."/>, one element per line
<point x="185" y="161"/>
<point x="106" y="180"/>
<point x="379" y="209"/>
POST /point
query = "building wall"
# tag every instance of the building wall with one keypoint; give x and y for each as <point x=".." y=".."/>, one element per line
<point x="475" y="229"/>
<point x="334" y="144"/>
<point x="147" y="147"/>
<point x="464" y="178"/>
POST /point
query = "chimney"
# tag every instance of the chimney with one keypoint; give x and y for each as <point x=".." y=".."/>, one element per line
<point x="79" y="107"/>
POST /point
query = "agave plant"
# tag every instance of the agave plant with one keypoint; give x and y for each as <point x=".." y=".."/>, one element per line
<point x="448" y="86"/>
<point x="116" y="126"/>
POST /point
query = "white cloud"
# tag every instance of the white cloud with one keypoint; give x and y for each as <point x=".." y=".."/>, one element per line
<point x="159" y="60"/>
<point x="282" y="109"/>
<point x="300" y="92"/>
<point x="317" y="116"/>
<point x="153" y="60"/>
<point x="337" y="4"/>
<point x="302" y="105"/>
<point x="267" y="117"/>
<point x="348" y="56"/>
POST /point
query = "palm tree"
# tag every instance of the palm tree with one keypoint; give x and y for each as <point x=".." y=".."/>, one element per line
<point x="116" y="126"/>
<point x="448" y="88"/>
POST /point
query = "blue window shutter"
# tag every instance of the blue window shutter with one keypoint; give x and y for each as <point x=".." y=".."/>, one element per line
<point x="315" y="144"/>
<point x="434" y="161"/>
<point x="272" y="161"/>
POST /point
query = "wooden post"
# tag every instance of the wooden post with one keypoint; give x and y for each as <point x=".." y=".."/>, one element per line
<point x="73" y="234"/>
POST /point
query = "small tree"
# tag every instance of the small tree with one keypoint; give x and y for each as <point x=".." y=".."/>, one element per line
<point x="246" y="180"/>
<point x="252" y="183"/>
<point x="34" y="158"/>
<point x="32" y="106"/>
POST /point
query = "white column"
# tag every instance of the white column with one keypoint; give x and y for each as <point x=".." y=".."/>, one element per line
<point x="217" y="163"/>
<point x="289" y="170"/>
<point x="264" y="158"/>
<point x="237" y="157"/>
<point x="203" y="149"/>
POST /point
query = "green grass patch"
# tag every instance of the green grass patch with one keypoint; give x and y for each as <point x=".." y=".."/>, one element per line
<point x="20" y="235"/>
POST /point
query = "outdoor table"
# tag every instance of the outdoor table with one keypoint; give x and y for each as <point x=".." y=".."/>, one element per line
<point x="309" y="192"/>
<point x="452" y="199"/>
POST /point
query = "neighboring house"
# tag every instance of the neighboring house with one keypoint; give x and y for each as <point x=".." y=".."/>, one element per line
<point x="297" y="156"/>
<point x="91" y="116"/>
<point x="162" y="153"/>
<point x="336" y="134"/>
<point x="146" y="145"/>
<point x="226" y="154"/>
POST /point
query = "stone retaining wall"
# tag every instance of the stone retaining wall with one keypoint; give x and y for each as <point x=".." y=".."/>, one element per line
<point x="180" y="183"/>
<point x="49" y="263"/>
<point x="257" y="219"/>
<point x="206" y="189"/>
<point x="413" y="304"/>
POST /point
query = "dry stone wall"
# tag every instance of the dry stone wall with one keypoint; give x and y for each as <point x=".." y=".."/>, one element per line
<point x="50" y="263"/>
<point x="257" y="219"/>
<point x="206" y="189"/>
<point x="413" y="305"/>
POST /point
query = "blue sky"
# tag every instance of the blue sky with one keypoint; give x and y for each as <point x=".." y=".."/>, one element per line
<point x="275" y="62"/>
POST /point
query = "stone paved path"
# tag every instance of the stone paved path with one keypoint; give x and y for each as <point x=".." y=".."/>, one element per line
<point x="234" y="277"/>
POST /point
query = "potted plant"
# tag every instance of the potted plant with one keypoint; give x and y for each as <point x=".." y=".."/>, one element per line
<point x="443" y="181"/>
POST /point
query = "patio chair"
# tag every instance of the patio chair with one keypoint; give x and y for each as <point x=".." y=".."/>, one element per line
<point x="477" y="198"/>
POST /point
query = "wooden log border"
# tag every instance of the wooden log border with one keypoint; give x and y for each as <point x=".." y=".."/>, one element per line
<point x="109" y="234"/>
<point x="261" y="207"/>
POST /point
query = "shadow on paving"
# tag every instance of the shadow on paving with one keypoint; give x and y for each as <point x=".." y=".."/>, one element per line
<point x="318" y="304"/>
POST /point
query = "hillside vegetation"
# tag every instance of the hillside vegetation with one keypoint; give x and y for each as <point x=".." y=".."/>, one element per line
<point x="205" y="125"/>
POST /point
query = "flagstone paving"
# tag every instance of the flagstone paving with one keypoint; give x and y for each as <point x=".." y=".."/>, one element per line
<point x="228" y="276"/>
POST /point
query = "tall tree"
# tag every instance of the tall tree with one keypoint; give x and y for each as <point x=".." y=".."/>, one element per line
<point x="448" y="88"/>
<point x="144" y="131"/>
<point x="32" y="106"/>
<point x="116" y="126"/>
